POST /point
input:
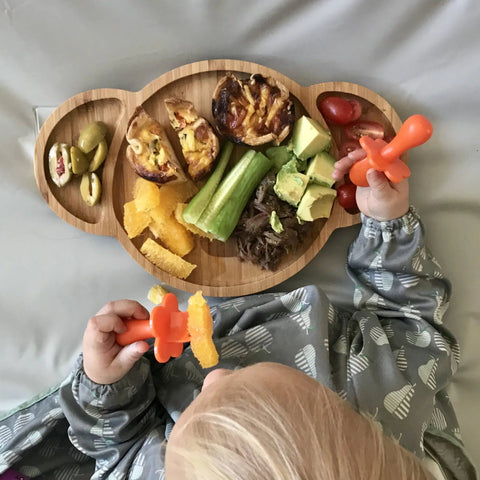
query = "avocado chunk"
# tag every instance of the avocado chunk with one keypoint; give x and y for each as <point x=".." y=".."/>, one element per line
<point x="309" y="138"/>
<point x="320" y="169"/>
<point x="290" y="184"/>
<point x="275" y="222"/>
<point x="316" y="203"/>
<point x="279" y="156"/>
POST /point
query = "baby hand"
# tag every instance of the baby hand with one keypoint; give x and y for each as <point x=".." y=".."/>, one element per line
<point x="104" y="361"/>
<point x="381" y="200"/>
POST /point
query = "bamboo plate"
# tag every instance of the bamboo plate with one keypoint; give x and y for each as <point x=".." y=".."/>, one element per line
<point x="219" y="272"/>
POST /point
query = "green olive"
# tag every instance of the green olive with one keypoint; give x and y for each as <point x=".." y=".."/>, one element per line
<point x="91" y="136"/>
<point x="79" y="161"/>
<point x="90" y="188"/>
<point x="99" y="157"/>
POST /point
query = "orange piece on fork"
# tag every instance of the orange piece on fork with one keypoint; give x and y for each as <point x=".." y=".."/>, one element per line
<point x="200" y="326"/>
<point x="384" y="157"/>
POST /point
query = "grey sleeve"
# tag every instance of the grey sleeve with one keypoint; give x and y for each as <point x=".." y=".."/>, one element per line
<point x="398" y="355"/>
<point x="118" y="425"/>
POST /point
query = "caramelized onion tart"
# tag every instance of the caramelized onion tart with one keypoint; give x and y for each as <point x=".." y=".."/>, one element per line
<point x="253" y="111"/>
<point x="149" y="151"/>
<point x="199" y="143"/>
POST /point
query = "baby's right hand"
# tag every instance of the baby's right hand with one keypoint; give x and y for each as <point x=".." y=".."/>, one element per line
<point x="381" y="200"/>
<point x="104" y="360"/>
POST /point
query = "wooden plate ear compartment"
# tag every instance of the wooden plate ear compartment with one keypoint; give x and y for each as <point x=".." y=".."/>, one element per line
<point x="374" y="108"/>
<point x="64" y="126"/>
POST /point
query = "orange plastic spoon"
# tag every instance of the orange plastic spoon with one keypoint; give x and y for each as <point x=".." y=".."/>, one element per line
<point x="167" y="324"/>
<point x="384" y="157"/>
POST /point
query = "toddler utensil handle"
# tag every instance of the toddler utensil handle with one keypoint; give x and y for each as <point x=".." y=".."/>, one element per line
<point x="136" y="330"/>
<point x="415" y="131"/>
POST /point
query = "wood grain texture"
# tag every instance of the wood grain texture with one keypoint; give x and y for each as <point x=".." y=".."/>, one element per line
<point x="219" y="272"/>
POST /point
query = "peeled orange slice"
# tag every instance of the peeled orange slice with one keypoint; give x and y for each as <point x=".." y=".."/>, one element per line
<point x="200" y="328"/>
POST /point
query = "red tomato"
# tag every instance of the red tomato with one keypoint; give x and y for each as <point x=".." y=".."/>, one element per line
<point x="340" y="111"/>
<point x="346" y="195"/>
<point x="360" y="128"/>
<point x="357" y="109"/>
<point x="347" y="147"/>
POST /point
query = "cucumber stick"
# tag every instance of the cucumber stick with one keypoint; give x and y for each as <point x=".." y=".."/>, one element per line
<point x="221" y="215"/>
<point x="193" y="211"/>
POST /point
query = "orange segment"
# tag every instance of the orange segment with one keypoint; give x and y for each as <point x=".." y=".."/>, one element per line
<point x="146" y="195"/>
<point x="166" y="260"/>
<point x="205" y="352"/>
<point x="135" y="222"/>
<point x="200" y="328"/>
<point x="156" y="294"/>
<point x="170" y="195"/>
<point x="153" y="207"/>
<point x="173" y="235"/>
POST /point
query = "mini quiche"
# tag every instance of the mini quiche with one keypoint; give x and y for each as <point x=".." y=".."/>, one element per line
<point x="199" y="143"/>
<point x="149" y="151"/>
<point x="253" y="111"/>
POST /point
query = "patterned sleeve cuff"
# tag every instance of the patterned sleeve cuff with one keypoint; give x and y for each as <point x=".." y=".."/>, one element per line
<point x="112" y="396"/>
<point x="408" y="222"/>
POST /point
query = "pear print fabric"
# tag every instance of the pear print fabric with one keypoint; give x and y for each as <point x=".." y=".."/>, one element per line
<point x="391" y="359"/>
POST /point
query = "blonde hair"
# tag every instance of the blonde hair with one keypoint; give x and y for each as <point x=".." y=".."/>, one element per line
<point x="246" y="434"/>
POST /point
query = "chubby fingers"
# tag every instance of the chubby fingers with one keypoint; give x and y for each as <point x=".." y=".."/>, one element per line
<point x="379" y="183"/>
<point x="129" y="355"/>
<point x="101" y="330"/>
<point x="342" y="166"/>
<point x="106" y="323"/>
<point x="384" y="200"/>
<point x="104" y="361"/>
<point x="125" y="309"/>
<point x="377" y="180"/>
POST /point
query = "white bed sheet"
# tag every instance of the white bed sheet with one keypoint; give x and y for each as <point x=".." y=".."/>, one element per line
<point x="421" y="56"/>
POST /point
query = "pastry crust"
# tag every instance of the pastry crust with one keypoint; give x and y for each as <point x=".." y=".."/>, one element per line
<point x="149" y="151"/>
<point x="254" y="111"/>
<point x="200" y="145"/>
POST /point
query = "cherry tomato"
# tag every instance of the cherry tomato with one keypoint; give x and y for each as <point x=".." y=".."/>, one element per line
<point x="360" y="128"/>
<point x="347" y="147"/>
<point x="346" y="195"/>
<point x="357" y="109"/>
<point x="340" y="111"/>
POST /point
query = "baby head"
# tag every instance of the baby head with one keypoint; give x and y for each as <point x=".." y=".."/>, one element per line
<point x="270" y="421"/>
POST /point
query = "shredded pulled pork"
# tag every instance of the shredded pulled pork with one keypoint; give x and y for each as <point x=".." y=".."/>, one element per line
<point x="256" y="241"/>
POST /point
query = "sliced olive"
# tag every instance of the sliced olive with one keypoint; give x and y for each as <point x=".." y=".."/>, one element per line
<point x="99" y="157"/>
<point x="79" y="161"/>
<point x="91" y="136"/>
<point x="59" y="164"/>
<point x="90" y="188"/>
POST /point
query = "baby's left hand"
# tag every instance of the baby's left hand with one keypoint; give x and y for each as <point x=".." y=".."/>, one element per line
<point x="381" y="200"/>
<point x="104" y="360"/>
